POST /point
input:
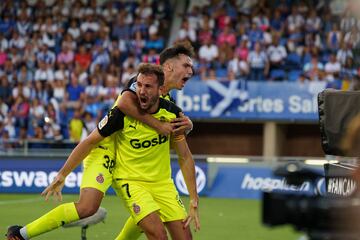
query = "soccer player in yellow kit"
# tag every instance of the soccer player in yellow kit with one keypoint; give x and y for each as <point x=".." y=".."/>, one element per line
<point x="143" y="171"/>
<point x="98" y="165"/>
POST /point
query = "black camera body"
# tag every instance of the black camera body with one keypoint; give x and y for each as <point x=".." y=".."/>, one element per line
<point x="321" y="217"/>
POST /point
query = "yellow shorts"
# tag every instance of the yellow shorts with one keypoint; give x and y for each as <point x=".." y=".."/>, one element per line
<point x="98" y="169"/>
<point x="143" y="198"/>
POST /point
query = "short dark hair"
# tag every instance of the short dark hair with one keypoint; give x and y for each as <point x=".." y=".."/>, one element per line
<point x="180" y="48"/>
<point x="149" y="68"/>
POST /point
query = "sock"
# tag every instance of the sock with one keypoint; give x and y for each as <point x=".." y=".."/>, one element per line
<point x="63" y="214"/>
<point x="130" y="231"/>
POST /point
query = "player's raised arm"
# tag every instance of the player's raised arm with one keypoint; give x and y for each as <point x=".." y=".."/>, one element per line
<point x="128" y="104"/>
<point x="75" y="158"/>
<point x="187" y="167"/>
<point x="111" y="123"/>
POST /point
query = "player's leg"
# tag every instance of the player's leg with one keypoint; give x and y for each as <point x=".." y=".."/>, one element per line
<point x="87" y="205"/>
<point x="177" y="230"/>
<point x="142" y="207"/>
<point x="95" y="182"/>
<point x="130" y="231"/>
<point x="153" y="227"/>
<point x="172" y="210"/>
<point x="62" y="214"/>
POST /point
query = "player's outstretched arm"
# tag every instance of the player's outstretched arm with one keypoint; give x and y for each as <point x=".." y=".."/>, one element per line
<point x="75" y="158"/>
<point x="187" y="167"/>
<point x="128" y="104"/>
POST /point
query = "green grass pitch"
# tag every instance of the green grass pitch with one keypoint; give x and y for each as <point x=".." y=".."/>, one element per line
<point x="220" y="219"/>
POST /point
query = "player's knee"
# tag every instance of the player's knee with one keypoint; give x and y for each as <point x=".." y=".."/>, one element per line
<point x="86" y="210"/>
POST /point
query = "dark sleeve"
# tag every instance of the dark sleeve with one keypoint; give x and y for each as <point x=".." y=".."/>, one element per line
<point x="111" y="123"/>
<point x="131" y="86"/>
<point x="170" y="107"/>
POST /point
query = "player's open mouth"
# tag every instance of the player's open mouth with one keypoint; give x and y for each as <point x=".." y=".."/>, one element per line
<point x="143" y="99"/>
<point x="185" y="79"/>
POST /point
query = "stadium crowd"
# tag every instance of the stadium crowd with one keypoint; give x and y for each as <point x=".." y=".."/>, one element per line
<point x="62" y="63"/>
<point x="274" y="40"/>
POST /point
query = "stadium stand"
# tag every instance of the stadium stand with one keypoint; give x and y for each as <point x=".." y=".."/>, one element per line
<point x="56" y="63"/>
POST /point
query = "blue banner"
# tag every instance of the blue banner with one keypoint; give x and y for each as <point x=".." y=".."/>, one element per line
<point x="241" y="100"/>
<point x="249" y="182"/>
<point x="33" y="176"/>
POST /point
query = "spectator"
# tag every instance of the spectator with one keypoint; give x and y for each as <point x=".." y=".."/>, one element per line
<point x="277" y="54"/>
<point x="37" y="112"/>
<point x="186" y="32"/>
<point x="259" y="63"/>
<point x="29" y="57"/>
<point x="3" y="57"/>
<point x="261" y="20"/>
<point x="120" y="29"/>
<point x="89" y="24"/>
<point x="76" y="126"/>
<point x="344" y="53"/>
<point x="313" y="68"/>
<point x="313" y="22"/>
<point x="44" y="74"/>
<point x="87" y="40"/>
<point x="294" y="20"/>
<point x="74" y="29"/>
<point x="62" y="73"/>
<point x="7" y="25"/>
<point x="40" y="91"/>
<point x="23" y="25"/>
<point x="352" y="38"/>
<point x="100" y="57"/>
<point x="66" y="56"/>
<point x="154" y="42"/>
<point x="208" y="52"/>
<point x="226" y="40"/>
<point x="348" y="70"/>
<point x="89" y="122"/>
<point x="24" y="75"/>
<point x="58" y="90"/>
<point x="242" y="51"/>
<point x="255" y="35"/>
<point x="74" y="93"/>
<point x="127" y="74"/>
<point x="277" y="23"/>
<point x="334" y="37"/>
<point x="17" y="41"/>
<point x="4" y="43"/>
<point x="83" y="57"/>
<point x="20" y="110"/>
<point x="209" y="75"/>
<point x="151" y="57"/>
<point x="45" y="55"/>
<point x="238" y="68"/>
<point x="332" y="68"/>
<point x="205" y="33"/>
<point x="5" y="89"/>
<point x="21" y="89"/>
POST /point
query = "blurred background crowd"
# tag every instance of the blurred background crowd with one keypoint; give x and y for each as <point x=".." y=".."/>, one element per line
<point x="63" y="63"/>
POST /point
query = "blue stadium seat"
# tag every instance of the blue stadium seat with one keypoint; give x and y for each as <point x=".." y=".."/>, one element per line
<point x="294" y="75"/>
<point x="221" y="72"/>
<point x="293" y="61"/>
<point x="277" y="74"/>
